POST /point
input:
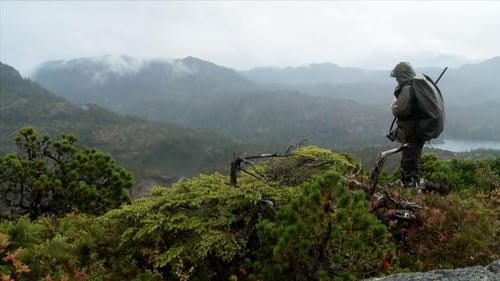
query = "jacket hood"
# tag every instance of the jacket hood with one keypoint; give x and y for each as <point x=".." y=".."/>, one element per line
<point x="403" y="71"/>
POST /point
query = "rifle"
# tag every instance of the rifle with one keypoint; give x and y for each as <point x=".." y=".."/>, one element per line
<point x="441" y="75"/>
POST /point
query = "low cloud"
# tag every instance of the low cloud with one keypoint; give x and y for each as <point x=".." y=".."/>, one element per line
<point x="246" y="34"/>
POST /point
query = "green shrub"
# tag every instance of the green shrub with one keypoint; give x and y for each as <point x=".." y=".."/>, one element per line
<point x="285" y="226"/>
<point x="325" y="233"/>
<point x="199" y="227"/>
<point x="71" y="248"/>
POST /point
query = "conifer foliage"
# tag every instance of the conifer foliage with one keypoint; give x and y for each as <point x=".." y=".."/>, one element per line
<point x="300" y="221"/>
<point x="324" y="233"/>
<point x="57" y="176"/>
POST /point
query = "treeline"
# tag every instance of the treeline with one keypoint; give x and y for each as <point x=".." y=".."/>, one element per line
<point x="298" y="219"/>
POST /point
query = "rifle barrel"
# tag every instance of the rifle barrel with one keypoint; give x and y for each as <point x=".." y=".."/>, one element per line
<point x="441" y="75"/>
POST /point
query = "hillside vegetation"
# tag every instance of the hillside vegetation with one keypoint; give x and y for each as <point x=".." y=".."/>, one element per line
<point x="306" y="214"/>
<point x="154" y="152"/>
<point x="300" y="221"/>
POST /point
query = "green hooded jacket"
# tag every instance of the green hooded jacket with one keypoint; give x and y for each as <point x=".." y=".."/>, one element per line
<point x="402" y="109"/>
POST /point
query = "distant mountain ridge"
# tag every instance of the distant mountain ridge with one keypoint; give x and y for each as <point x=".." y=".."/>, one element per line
<point x="201" y="94"/>
<point x="84" y="79"/>
<point x="316" y="73"/>
<point x="468" y="84"/>
<point x="471" y="83"/>
<point x="320" y="73"/>
<point x="219" y="99"/>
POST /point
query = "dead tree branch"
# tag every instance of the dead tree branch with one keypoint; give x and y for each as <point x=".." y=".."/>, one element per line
<point x="384" y="203"/>
<point x="379" y="163"/>
<point x="237" y="164"/>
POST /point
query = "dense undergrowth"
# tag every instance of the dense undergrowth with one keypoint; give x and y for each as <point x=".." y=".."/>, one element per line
<point x="300" y="222"/>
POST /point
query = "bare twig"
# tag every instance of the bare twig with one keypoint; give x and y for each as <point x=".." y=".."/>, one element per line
<point x="405" y="204"/>
<point x="292" y="147"/>
<point x="236" y="164"/>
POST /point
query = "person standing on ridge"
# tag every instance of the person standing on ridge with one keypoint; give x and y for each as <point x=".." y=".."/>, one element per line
<point x="402" y="107"/>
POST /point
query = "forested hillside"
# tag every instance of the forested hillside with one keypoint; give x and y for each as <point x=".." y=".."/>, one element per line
<point x="195" y="93"/>
<point x="155" y="152"/>
<point x="471" y="93"/>
<point x="331" y="106"/>
<point x="118" y="82"/>
<point x="307" y="214"/>
<point x="249" y="140"/>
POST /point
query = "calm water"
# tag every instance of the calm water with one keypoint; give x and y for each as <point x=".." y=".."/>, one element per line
<point x="466" y="145"/>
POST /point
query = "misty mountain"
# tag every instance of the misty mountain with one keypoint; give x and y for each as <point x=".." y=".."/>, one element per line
<point x="343" y="115"/>
<point x="471" y="93"/>
<point x="217" y="98"/>
<point x="318" y="73"/>
<point x="474" y="83"/>
<point x="154" y="152"/>
<point x="327" y="80"/>
<point x="111" y="79"/>
<point x="465" y="85"/>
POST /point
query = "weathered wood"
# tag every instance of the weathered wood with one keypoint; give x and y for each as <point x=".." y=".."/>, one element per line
<point x="237" y="164"/>
<point x="379" y="163"/>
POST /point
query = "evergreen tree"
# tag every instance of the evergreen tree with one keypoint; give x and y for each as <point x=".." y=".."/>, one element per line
<point x="57" y="177"/>
<point x="325" y="233"/>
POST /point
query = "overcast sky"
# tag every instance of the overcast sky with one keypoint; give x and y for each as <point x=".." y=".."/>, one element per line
<point x="246" y="34"/>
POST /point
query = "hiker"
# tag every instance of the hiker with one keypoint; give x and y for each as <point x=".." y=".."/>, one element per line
<point x="403" y="109"/>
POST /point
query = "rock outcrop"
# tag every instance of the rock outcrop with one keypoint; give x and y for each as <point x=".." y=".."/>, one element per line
<point x="474" y="273"/>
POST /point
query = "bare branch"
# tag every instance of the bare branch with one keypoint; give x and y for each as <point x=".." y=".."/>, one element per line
<point x="292" y="147"/>
<point x="379" y="163"/>
<point x="236" y="164"/>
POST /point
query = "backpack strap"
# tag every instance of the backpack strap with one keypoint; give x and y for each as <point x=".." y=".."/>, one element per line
<point x="398" y="89"/>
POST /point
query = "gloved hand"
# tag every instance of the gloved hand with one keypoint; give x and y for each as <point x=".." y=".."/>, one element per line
<point x="393" y="103"/>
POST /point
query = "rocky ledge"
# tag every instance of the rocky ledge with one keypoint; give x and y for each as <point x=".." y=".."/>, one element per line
<point x="474" y="273"/>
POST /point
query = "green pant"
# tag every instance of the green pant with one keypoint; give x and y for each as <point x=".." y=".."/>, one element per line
<point x="410" y="160"/>
<point x="410" y="163"/>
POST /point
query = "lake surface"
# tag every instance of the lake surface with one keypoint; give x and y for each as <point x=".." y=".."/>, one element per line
<point x="465" y="145"/>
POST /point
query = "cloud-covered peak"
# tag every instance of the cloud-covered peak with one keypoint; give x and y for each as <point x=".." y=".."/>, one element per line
<point x="107" y="63"/>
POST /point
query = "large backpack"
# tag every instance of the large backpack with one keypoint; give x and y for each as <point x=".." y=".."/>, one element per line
<point x="429" y="107"/>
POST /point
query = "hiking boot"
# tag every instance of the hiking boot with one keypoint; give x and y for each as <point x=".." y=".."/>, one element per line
<point x="397" y="182"/>
<point x="422" y="183"/>
<point x="412" y="183"/>
<point x="416" y="184"/>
